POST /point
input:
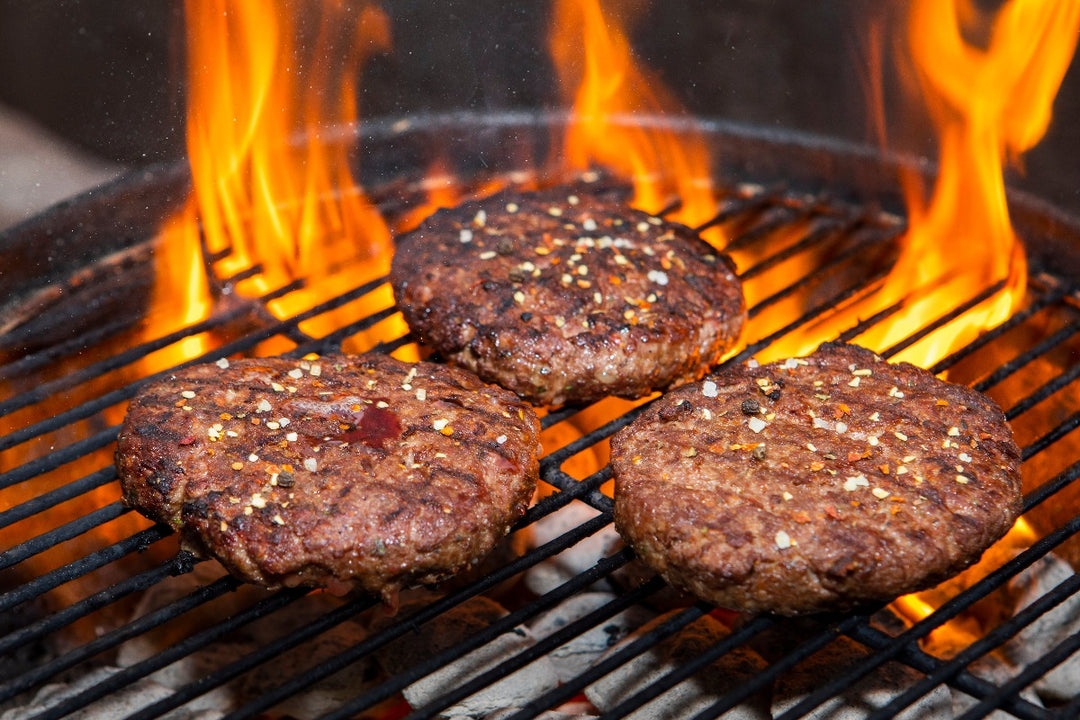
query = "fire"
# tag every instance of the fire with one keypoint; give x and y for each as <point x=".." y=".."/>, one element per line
<point x="269" y="191"/>
<point x="624" y="120"/>
<point x="990" y="104"/>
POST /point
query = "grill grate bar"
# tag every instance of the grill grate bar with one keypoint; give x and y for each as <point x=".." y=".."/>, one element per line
<point x="249" y="341"/>
<point x="1063" y="429"/>
<point x="80" y="567"/>
<point x="945" y="612"/>
<point x="379" y="640"/>
<point x="264" y="654"/>
<point x="992" y="639"/>
<point x="68" y="615"/>
<point x="1059" y="382"/>
<point x="133" y="629"/>
<point x="1044" y="300"/>
<point x="914" y="657"/>
<point x="57" y="535"/>
<point x="66" y="454"/>
<point x="45" y="501"/>
<point x="1037" y="351"/>
<point x="826" y="231"/>
<point x="928" y="328"/>
<point x="28" y="364"/>
<point x="540" y="649"/>
<point x="184" y="647"/>
<point x="656" y="688"/>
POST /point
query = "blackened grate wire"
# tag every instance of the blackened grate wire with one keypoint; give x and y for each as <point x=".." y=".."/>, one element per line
<point x="771" y="228"/>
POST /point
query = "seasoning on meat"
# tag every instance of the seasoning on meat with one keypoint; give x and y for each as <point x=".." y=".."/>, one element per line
<point x="341" y="471"/>
<point x="829" y="494"/>
<point x="567" y="297"/>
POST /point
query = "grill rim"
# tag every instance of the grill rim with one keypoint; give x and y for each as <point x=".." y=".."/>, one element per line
<point x="587" y="490"/>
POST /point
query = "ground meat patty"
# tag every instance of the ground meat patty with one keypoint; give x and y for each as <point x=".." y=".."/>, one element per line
<point x="816" y="483"/>
<point x="343" y="471"/>
<point x="566" y="297"/>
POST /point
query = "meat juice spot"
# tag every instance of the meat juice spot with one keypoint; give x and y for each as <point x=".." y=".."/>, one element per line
<point x="374" y="427"/>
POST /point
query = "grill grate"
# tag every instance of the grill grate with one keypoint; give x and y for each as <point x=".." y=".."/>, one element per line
<point x="848" y="248"/>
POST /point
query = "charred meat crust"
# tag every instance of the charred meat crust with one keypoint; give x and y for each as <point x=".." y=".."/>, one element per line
<point x="339" y="471"/>
<point x="815" y="484"/>
<point x="564" y="297"/>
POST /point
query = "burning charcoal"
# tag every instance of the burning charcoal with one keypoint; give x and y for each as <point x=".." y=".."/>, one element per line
<point x="861" y="699"/>
<point x="691" y="696"/>
<point x="1049" y="629"/>
<point x="575" y="711"/>
<point x="329" y="694"/>
<point x="555" y="571"/>
<point x="451" y="628"/>
<point x="118" y="704"/>
<point x="579" y="653"/>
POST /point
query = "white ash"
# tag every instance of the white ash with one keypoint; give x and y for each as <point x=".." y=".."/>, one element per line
<point x="577" y="558"/>
<point x="447" y="630"/>
<point x="118" y="704"/>
<point x="1047" y="630"/>
<point x="311" y="703"/>
<point x="578" y="654"/>
<point x="694" y="694"/>
<point x="569" y="711"/>
<point x="872" y="692"/>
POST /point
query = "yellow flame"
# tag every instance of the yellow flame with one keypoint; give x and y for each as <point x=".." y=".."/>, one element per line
<point x="989" y="103"/>
<point x="613" y="98"/>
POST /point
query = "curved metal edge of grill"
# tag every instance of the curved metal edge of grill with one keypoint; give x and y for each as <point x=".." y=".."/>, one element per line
<point x="1049" y="291"/>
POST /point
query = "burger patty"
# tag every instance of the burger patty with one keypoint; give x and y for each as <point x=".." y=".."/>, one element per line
<point x="815" y="484"/>
<point x="339" y="471"/>
<point x="562" y="296"/>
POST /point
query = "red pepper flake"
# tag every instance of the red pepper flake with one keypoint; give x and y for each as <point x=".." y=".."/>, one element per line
<point x="801" y="517"/>
<point x="831" y="512"/>
<point x="884" y="468"/>
<point x="187" y="440"/>
<point x="853" y="456"/>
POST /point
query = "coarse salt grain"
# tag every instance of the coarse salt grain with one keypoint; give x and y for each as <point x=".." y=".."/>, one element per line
<point x="879" y="493"/>
<point x="465" y="236"/>
<point x="501" y="439"/>
<point x="588" y="224"/>
<point x="822" y="423"/>
<point x="258" y="501"/>
<point x="841" y="427"/>
<point x="222" y="363"/>
<point x="311" y="464"/>
<point x="783" y="540"/>
<point x="440" y="423"/>
<point x="263" y="406"/>
<point x="790" y="364"/>
<point x="752" y="363"/>
<point x="855" y="481"/>
<point x="421" y="394"/>
<point x="291" y="437"/>
<point x="316" y="370"/>
<point x="188" y="394"/>
<point x="756" y="424"/>
<point x="296" y="373"/>
<point x="709" y="389"/>
<point x="658" y="276"/>
<point x="964" y="457"/>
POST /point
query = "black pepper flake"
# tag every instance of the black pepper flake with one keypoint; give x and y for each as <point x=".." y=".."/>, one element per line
<point x="285" y="479"/>
<point x="750" y="407"/>
<point x="505" y="246"/>
<point x="758" y="452"/>
<point x="526" y="316"/>
<point x="679" y="409"/>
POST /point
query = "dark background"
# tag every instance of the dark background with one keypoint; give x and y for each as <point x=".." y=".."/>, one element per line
<point x="107" y="75"/>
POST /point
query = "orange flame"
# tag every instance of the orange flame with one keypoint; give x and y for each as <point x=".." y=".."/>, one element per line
<point x="269" y="190"/>
<point x="989" y="103"/>
<point x="624" y="120"/>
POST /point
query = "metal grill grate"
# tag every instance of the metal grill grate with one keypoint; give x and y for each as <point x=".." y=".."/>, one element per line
<point x="848" y="248"/>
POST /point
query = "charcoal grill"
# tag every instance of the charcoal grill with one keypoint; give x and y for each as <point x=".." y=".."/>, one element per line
<point x="781" y="197"/>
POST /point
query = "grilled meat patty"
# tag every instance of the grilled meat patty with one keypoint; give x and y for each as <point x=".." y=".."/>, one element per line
<point x="816" y="483"/>
<point x="339" y="471"/>
<point x="565" y="297"/>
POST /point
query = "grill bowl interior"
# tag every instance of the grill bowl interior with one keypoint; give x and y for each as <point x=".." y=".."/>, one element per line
<point x="72" y="581"/>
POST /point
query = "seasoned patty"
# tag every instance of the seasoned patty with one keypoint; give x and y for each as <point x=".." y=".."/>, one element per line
<point x="564" y="297"/>
<point x="339" y="471"/>
<point x="817" y="483"/>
